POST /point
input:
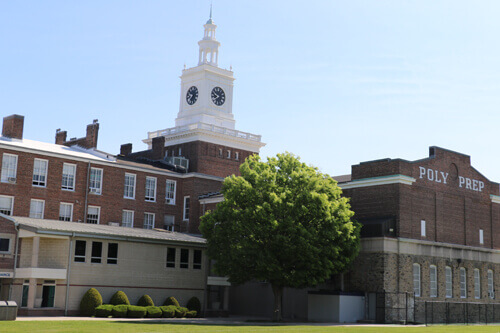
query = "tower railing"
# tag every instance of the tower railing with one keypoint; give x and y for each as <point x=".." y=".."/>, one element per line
<point x="205" y="127"/>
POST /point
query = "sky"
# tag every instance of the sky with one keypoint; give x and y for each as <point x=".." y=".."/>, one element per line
<point x="334" y="82"/>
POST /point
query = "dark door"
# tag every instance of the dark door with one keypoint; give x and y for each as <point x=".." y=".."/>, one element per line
<point x="48" y="296"/>
<point x="24" y="301"/>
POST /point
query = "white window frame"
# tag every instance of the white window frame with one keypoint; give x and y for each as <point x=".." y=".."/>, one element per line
<point x="236" y="156"/>
<point x="148" y="196"/>
<point x="477" y="283"/>
<point x="149" y="224"/>
<point x="491" y="284"/>
<point x="93" y="188"/>
<point x="186" y="210"/>
<point x="40" y="173"/>
<point x="481" y="236"/>
<point x="7" y="171"/>
<point x="448" y="281"/>
<point x="433" y="292"/>
<point x="34" y="203"/>
<point x="228" y="154"/>
<point x="11" y="209"/>
<point x="11" y="239"/>
<point x="169" y="192"/>
<point x="96" y="259"/>
<point x="66" y="204"/>
<point x="98" y="214"/>
<point x="169" y="227"/>
<point x="70" y="177"/>
<point x="79" y="256"/>
<point x="463" y="282"/>
<point x="128" y="213"/>
<point x="416" y="280"/>
<point x="129" y="186"/>
<point x="422" y="228"/>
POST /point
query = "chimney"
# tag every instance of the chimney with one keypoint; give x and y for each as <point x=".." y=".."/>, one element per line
<point x="158" y="148"/>
<point x="92" y="131"/>
<point x="60" y="136"/>
<point x="13" y="126"/>
<point x="126" y="149"/>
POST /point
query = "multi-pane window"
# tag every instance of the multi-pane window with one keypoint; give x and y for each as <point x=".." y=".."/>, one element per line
<point x="36" y="208"/>
<point x="449" y="281"/>
<point x="4" y="245"/>
<point x="96" y="252"/>
<point x="65" y="211"/>
<point x="93" y="213"/>
<point x="129" y="189"/>
<point x="80" y="249"/>
<point x="128" y="218"/>
<point x="170" y="192"/>
<point x="168" y="222"/>
<point x="185" y="213"/>
<point x="9" y="168"/>
<point x="40" y="172"/>
<point x="150" y="194"/>
<point x="491" y="288"/>
<point x="95" y="185"/>
<point x="171" y="257"/>
<point x="112" y="253"/>
<point x="6" y="205"/>
<point x="68" y="177"/>
<point x="149" y="220"/>
<point x="197" y="259"/>
<point x="416" y="279"/>
<point x="477" y="284"/>
<point x="463" y="282"/>
<point x="184" y="258"/>
<point x="433" y="281"/>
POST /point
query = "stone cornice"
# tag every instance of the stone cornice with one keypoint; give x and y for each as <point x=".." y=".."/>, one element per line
<point x="383" y="180"/>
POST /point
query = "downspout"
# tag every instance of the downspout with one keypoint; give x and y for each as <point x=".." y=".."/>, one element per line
<point x="86" y="194"/>
<point x="16" y="226"/>
<point x="68" y="273"/>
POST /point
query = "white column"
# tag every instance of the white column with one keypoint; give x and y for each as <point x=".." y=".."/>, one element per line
<point x="34" y="263"/>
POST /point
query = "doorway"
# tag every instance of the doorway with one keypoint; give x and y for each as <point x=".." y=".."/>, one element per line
<point x="48" y="296"/>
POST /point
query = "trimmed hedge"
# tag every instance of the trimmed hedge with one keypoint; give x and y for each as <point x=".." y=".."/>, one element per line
<point x="171" y="301"/>
<point x="180" y="312"/>
<point x="120" y="311"/>
<point x="119" y="298"/>
<point x="145" y="300"/>
<point x="90" y="300"/>
<point x="194" y="304"/>
<point x="136" y="311"/>
<point x="191" y="314"/>
<point x="154" y="312"/>
<point x="104" y="311"/>
<point x="168" y="311"/>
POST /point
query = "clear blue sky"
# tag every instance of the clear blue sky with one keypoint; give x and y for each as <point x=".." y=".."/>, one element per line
<point x="335" y="82"/>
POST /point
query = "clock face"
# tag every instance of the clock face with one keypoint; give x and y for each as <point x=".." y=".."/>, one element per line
<point x="192" y="95"/>
<point x="218" y="96"/>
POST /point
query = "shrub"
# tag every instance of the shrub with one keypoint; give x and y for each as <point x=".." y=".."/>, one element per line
<point x="91" y="300"/>
<point x="171" y="301"/>
<point x="154" y="312"/>
<point x="120" y="311"/>
<point x="180" y="312"/>
<point x="194" y="304"/>
<point x="104" y="311"/>
<point x="168" y="311"/>
<point x="119" y="298"/>
<point x="136" y="311"/>
<point x="145" y="300"/>
<point x="191" y="314"/>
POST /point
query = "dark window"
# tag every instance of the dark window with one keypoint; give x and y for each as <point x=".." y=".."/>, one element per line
<point x="378" y="227"/>
<point x="171" y="257"/>
<point x="197" y="259"/>
<point x="4" y="244"/>
<point x="184" y="258"/>
<point x="80" y="248"/>
<point x="112" y="253"/>
<point x="96" y="252"/>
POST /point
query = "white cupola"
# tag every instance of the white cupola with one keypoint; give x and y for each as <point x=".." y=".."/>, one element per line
<point x="209" y="46"/>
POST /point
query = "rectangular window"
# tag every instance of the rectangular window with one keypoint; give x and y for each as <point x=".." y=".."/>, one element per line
<point x="422" y="228"/>
<point x="168" y="222"/>
<point x="112" y="253"/>
<point x="477" y="284"/>
<point x="68" y="177"/>
<point x="170" y="192"/>
<point x="433" y="281"/>
<point x="481" y="236"/>
<point x="150" y="189"/>
<point x="80" y="249"/>
<point x="416" y="279"/>
<point x="180" y="151"/>
<point x="449" y="282"/>
<point x="95" y="185"/>
<point x="491" y="288"/>
<point x="171" y="257"/>
<point x="129" y="190"/>
<point x="4" y="245"/>
<point x="24" y="300"/>
<point x="236" y="156"/>
<point x="9" y="168"/>
<point x="93" y="213"/>
<point x="6" y="205"/>
<point x="40" y="172"/>
<point x="197" y="259"/>
<point x="184" y="258"/>
<point x="220" y="152"/>
<point x="65" y="212"/>
<point x="128" y="218"/>
<point x="228" y="154"/>
<point x="36" y="208"/>
<point x="96" y="252"/>
<point x="463" y="283"/>
<point x="149" y="220"/>
<point x="185" y="214"/>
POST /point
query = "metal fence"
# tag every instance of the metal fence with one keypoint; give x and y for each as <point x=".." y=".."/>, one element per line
<point x="441" y="312"/>
<point x="395" y="307"/>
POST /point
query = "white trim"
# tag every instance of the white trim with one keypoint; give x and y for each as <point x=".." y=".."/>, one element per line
<point x="184" y="208"/>
<point x="153" y="221"/>
<point x="133" y="188"/>
<point x="146" y="188"/>
<point x="170" y="201"/>
<point x="41" y="273"/>
<point x="210" y="200"/>
<point x="98" y="214"/>
<point x="218" y="281"/>
<point x="31" y="207"/>
<point x="131" y="222"/>
<point x="384" y="180"/>
<point x="41" y="160"/>
<point x="495" y="198"/>
<point x="98" y="189"/>
<point x="15" y="169"/>
<point x="71" y="216"/>
<point x="11" y="203"/>
<point x="74" y="177"/>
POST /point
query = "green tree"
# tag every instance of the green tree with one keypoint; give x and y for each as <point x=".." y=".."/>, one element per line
<point x="281" y="221"/>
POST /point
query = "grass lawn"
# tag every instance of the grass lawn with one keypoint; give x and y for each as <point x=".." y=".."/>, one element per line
<point x="125" y="327"/>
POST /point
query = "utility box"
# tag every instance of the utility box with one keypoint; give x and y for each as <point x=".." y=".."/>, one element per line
<point x="335" y="307"/>
<point x="8" y="310"/>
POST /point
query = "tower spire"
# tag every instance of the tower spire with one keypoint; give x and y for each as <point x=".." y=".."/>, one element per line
<point x="209" y="46"/>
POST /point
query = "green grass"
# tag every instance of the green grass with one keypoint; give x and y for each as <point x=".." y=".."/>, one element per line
<point x="125" y="327"/>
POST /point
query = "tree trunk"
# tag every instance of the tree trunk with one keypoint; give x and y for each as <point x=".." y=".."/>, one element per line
<point x="278" y="295"/>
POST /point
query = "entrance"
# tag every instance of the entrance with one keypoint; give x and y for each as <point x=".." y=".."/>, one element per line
<point x="48" y="296"/>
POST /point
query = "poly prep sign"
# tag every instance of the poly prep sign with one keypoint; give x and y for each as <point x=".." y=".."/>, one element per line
<point x="441" y="177"/>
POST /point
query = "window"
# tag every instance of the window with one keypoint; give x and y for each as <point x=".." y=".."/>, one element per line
<point x="433" y="281"/>
<point x="197" y="259"/>
<point x="68" y="177"/>
<point x="40" y="172"/>
<point x="463" y="283"/>
<point x="481" y="236"/>
<point x="93" y="213"/>
<point x="150" y="189"/>
<point x="112" y="253"/>
<point x="491" y="288"/>
<point x="422" y="228"/>
<point x="6" y="205"/>
<point x="236" y="156"/>
<point x="220" y="152"/>
<point x="170" y="192"/>
<point x="184" y="258"/>
<point x="80" y="249"/>
<point x="228" y="154"/>
<point x="171" y="257"/>
<point x="449" y="282"/>
<point x="185" y="215"/>
<point x="65" y="212"/>
<point x="36" y="208"/>
<point x="26" y="288"/>
<point x="477" y="284"/>
<point x="168" y="222"/>
<point x="416" y="279"/>
<point x="128" y="218"/>
<point x="9" y="168"/>
<point x="4" y="245"/>
<point x="180" y="151"/>
<point x="129" y="191"/>
<point x="95" y="181"/>
<point x="96" y="252"/>
<point x="149" y="220"/>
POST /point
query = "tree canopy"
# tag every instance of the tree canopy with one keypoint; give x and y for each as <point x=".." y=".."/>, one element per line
<point x="281" y="221"/>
